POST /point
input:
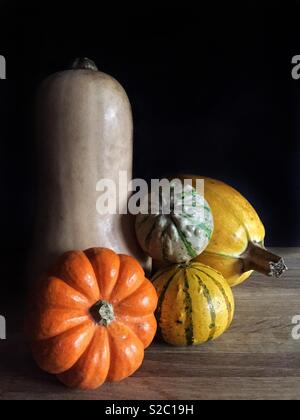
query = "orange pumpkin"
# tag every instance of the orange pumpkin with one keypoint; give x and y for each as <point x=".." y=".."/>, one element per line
<point x="92" y="318"/>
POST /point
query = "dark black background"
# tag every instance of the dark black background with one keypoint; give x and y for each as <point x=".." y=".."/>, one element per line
<point x="210" y="87"/>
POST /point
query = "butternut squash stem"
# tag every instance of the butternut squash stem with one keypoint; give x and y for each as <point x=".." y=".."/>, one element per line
<point x="84" y="63"/>
<point x="260" y="259"/>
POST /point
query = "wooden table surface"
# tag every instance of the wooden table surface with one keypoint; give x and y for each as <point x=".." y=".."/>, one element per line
<point x="256" y="359"/>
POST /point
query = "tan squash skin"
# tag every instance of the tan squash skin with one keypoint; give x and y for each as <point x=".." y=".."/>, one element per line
<point x="84" y="134"/>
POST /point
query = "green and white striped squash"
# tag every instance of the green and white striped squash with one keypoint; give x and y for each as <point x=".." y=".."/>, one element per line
<point x="178" y="235"/>
<point x="195" y="303"/>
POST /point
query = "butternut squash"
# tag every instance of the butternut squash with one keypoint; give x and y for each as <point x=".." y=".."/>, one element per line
<point x="84" y="134"/>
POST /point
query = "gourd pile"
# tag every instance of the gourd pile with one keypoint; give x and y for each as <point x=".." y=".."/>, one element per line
<point x="201" y="255"/>
<point x="94" y="312"/>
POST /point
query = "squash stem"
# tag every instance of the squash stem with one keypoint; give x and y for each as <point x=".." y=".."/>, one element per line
<point x="84" y="63"/>
<point x="260" y="259"/>
<point x="103" y="313"/>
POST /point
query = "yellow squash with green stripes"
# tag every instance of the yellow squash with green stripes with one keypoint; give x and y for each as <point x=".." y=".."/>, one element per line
<point x="195" y="303"/>
<point x="237" y="247"/>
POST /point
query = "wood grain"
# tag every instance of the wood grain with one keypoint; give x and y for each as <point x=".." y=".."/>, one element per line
<point x="256" y="359"/>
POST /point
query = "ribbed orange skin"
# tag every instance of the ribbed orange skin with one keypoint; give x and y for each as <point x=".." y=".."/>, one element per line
<point x="67" y="341"/>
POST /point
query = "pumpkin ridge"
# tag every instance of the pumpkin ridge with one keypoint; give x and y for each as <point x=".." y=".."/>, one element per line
<point x="227" y="301"/>
<point x="42" y="349"/>
<point x="114" y="298"/>
<point x="132" y="364"/>
<point x="39" y="333"/>
<point x="68" y="331"/>
<point x="106" y="280"/>
<point x="59" y="282"/>
<point x="121" y="322"/>
<point x="210" y="305"/>
<point x="123" y="304"/>
<point x="67" y="377"/>
<point x="64" y="269"/>
<point x="135" y="323"/>
<point x="122" y="318"/>
<point x="61" y="307"/>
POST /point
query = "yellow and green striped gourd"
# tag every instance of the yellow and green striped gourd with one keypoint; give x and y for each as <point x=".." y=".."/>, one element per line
<point x="195" y="303"/>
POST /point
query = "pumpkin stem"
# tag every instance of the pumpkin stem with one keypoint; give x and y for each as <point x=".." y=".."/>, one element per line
<point x="259" y="259"/>
<point x="84" y="63"/>
<point x="103" y="312"/>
